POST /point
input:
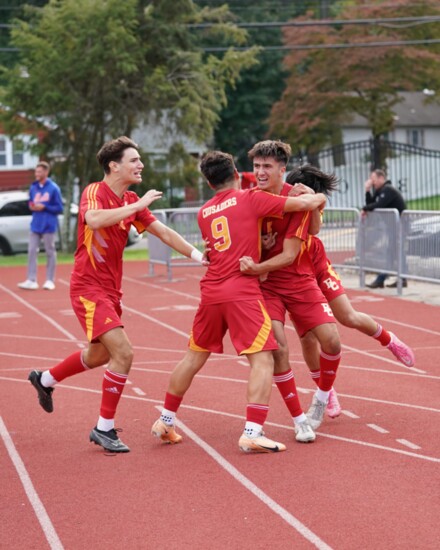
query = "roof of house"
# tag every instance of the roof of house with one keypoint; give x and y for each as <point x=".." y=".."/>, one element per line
<point x="412" y="111"/>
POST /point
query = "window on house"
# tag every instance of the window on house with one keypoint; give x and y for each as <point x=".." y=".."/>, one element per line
<point x="2" y="152"/>
<point x="415" y="137"/>
<point x="17" y="152"/>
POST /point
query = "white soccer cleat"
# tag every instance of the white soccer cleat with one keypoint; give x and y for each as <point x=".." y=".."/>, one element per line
<point x="316" y="412"/>
<point x="259" y="444"/>
<point x="304" y="432"/>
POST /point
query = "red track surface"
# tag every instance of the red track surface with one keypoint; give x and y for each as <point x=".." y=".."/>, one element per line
<point x="371" y="479"/>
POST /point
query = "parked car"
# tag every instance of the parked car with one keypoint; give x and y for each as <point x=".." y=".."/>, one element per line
<point x="423" y="238"/>
<point x="15" y="219"/>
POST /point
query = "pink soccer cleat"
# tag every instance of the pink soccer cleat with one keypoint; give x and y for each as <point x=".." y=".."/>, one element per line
<point x="401" y="351"/>
<point x="333" y="407"/>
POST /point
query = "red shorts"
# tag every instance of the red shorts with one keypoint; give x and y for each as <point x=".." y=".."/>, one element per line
<point x="248" y="322"/>
<point x="307" y="309"/>
<point x="330" y="283"/>
<point x="97" y="313"/>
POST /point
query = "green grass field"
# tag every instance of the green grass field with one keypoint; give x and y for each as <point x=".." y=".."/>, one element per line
<point x="62" y="258"/>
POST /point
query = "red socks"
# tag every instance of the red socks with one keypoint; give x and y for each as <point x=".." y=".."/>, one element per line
<point x="70" y="366"/>
<point x="328" y="366"/>
<point x="256" y="413"/>
<point x="285" y="382"/>
<point x="172" y="402"/>
<point x="112" y="387"/>
<point x="382" y="335"/>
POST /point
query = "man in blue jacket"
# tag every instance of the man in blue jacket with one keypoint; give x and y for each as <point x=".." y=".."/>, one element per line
<point x="45" y="203"/>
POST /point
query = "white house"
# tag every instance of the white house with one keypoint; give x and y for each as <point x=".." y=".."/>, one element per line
<point x="416" y="122"/>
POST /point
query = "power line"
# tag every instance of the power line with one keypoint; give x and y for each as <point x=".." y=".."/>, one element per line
<point x="326" y="22"/>
<point x="333" y="46"/>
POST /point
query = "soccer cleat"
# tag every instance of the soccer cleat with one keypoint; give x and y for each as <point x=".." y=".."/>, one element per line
<point x="49" y="285"/>
<point x="165" y="433"/>
<point x="108" y="440"/>
<point x="333" y="407"/>
<point x="401" y="351"/>
<point x="316" y="412"/>
<point x="28" y="285"/>
<point x="44" y="394"/>
<point x="259" y="444"/>
<point x="304" y="432"/>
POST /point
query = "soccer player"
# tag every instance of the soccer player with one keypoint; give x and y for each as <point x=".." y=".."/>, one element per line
<point x="291" y="287"/>
<point x="107" y="211"/>
<point x="230" y="224"/>
<point x="331" y="286"/>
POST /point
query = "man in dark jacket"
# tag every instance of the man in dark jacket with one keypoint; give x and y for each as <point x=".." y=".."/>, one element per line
<point x="379" y="193"/>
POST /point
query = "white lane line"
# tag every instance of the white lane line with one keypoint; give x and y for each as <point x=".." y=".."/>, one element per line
<point x="408" y="444"/>
<point x="300" y="389"/>
<point x="10" y="315"/>
<point x="378" y="429"/>
<point x="241" y="417"/>
<point x="254" y="489"/>
<point x="69" y="335"/>
<point x="349" y="413"/>
<point x="138" y="391"/>
<point x="37" y="505"/>
<point x="384" y="359"/>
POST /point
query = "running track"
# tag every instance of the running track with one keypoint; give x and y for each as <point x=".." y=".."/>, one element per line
<point x="371" y="479"/>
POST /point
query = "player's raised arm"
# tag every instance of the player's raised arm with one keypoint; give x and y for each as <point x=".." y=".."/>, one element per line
<point x="305" y="202"/>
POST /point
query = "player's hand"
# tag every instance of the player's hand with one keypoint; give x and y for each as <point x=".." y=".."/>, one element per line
<point x="368" y="185"/>
<point x="248" y="266"/>
<point x="149" y="197"/>
<point x="268" y="240"/>
<point x="206" y="252"/>
<point x="300" y="189"/>
<point x="36" y="206"/>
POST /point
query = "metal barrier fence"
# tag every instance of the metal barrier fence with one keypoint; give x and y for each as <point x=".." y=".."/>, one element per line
<point x="406" y="246"/>
<point x="415" y="171"/>
<point x="184" y="221"/>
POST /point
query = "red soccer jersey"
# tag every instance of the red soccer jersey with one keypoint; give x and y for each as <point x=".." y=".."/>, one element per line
<point x="231" y="223"/>
<point x="318" y="256"/>
<point x="98" y="257"/>
<point x="293" y="277"/>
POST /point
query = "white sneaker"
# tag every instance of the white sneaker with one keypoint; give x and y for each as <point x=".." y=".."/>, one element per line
<point x="316" y="412"/>
<point x="304" y="432"/>
<point x="28" y="285"/>
<point x="49" y="285"/>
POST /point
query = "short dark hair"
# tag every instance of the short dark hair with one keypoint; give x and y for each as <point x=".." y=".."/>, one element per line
<point x="113" y="151"/>
<point x="217" y="167"/>
<point x="380" y="173"/>
<point x="314" y="178"/>
<point x="276" y="149"/>
<point x="43" y="164"/>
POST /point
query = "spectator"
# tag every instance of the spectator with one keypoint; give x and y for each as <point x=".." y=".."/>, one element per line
<point x="45" y="203"/>
<point x="380" y="193"/>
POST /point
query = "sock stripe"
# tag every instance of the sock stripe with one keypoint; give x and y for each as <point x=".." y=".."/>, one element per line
<point x="115" y="378"/>
<point x="283" y="377"/>
<point x="331" y="357"/>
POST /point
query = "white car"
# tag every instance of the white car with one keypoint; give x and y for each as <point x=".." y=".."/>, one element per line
<point x="15" y="219"/>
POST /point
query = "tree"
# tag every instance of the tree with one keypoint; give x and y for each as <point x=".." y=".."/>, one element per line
<point x="93" y="69"/>
<point x="325" y="86"/>
<point x="244" y="118"/>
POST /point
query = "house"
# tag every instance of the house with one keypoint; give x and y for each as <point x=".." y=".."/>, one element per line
<point x="17" y="163"/>
<point x="417" y="122"/>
